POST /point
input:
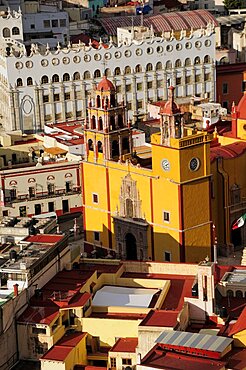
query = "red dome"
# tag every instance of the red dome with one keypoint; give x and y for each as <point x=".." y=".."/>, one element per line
<point x="241" y="108"/>
<point x="170" y="107"/>
<point x="105" y="85"/>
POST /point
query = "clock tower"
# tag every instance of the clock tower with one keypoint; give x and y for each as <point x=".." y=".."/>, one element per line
<point x="181" y="159"/>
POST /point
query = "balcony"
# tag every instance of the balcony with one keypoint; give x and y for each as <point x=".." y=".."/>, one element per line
<point x="41" y="195"/>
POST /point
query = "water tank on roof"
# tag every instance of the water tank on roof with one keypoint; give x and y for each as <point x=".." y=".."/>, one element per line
<point x="13" y="255"/>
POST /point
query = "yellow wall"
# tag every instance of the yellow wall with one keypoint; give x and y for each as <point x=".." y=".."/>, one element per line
<point x="240" y="339"/>
<point x="165" y="197"/>
<point x="107" y="329"/>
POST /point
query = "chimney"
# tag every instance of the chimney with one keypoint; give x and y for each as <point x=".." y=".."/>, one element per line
<point x="16" y="290"/>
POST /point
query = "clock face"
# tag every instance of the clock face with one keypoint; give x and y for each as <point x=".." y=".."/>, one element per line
<point x="165" y="165"/>
<point x="194" y="164"/>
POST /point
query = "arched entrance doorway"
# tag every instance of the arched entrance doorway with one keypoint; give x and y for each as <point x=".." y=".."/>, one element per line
<point x="131" y="247"/>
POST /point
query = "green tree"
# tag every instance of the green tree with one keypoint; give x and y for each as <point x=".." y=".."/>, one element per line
<point x="233" y="4"/>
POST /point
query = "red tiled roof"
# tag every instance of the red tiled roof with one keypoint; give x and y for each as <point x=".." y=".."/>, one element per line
<point x="164" y="22"/>
<point x="158" y="358"/>
<point x="161" y="318"/>
<point x="228" y="151"/>
<point x="64" y="346"/>
<point x="44" y="238"/>
<point x="71" y="340"/>
<point x="39" y="315"/>
<point x="105" y="85"/>
<point x="86" y="40"/>
<point x="77" y="141"/>
<point x="57" y="353"/>
<point x="125" y="345"/>
<point x="74" y="300"/>
<point x="240" y="325"/>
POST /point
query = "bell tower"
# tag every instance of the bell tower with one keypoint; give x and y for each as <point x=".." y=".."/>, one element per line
<point x="106" y="133"/>
<point x="171" y="119"/>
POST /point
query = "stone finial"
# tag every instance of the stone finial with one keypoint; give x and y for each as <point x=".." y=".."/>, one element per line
<point x="47" y="48"/>
<point x="58" y="47"/>
<point x="110" y="41"/>
<point x="69" y="45"/>
<point x="100" y="43"/>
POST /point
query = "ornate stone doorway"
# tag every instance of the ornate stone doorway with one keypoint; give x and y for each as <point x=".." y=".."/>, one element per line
<point x="131" y="247"/>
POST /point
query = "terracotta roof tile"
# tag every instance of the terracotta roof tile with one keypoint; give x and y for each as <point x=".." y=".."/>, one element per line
<point x="125" y="345"/>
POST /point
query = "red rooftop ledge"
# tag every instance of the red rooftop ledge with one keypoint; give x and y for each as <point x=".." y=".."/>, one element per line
<point x="125" y="345"/>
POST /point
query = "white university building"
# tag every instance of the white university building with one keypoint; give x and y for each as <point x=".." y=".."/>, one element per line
<point x="46" y="85"/>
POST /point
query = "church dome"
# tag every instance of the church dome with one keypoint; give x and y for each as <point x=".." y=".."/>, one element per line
<point x="105" y="85"/>
<point x="241" y="108"/>
<point x="170" y="107"/>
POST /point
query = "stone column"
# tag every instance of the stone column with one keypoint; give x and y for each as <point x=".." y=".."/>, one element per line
<point x="193" y="80"/>
<point x="164" y="85"/>
<point x="40" y="92"/>
<point x="12" y="110"/>
<point x="51" y="98"/>
<point x="72" y="97"/>
<point x="154" y="87"/>
<point x="38" y="107"/>
<point x="184" y="93"/>
<point x="213" y="82"/>
<point x="83" y="96"/>
<point x="202" y="80"/>
<point x="17" y="109"/>
<point x="62" y="99"/>
<point x="145" y="91"/>
<point x="134" y="99"/>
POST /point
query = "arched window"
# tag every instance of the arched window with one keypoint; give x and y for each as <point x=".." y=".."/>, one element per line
<point x="29" y="81"/>
<point x="90" y="145"/>
<point x="76" y="76"/>
<point x="138" y="68"/>
<point x="149" y="67"/>
<point x="158" y="66"/>
<point x="99" y="147"/>
<point x="97" y="73"/>
<point x="15" y="31"/>
<point x="93" y="122"/>
<point x="120" y="121"/>
<point x="125" y="144"/>
<point x="100" y="124"/>
<point x="66" y="77"/>
<point x="169" y="64"/>
<point x="112" y="123"/>
<point x="178" y="63"/>
<point x="6" y="32"/>
<point x="112" y="100"/>
<point x="187" y="62"/>
<point x="117" y="71"/>
<point x="128" y="70"/>
<point x="98" y="101"/>
<point x="55" y="78"/>
<point x="107" y="72"/>
<point x="207" y="59"/>
<point x="44" y="80"/>
<point x="115" y="148"/>
<point x="19" y="82"/>
<point x="229" y="293"/>
<point x="197" y="60"/>
<point x="239" y="294"/>
<point x="87" y="75"/>
<point x="224" y="60"/>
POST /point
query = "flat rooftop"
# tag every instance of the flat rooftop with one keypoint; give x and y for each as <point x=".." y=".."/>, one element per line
<point x="123" y="297"/>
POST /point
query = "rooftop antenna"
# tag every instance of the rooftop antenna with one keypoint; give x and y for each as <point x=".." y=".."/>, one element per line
<point x="104" y="63"/>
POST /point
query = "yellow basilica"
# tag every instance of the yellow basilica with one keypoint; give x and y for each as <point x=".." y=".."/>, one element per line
<point x="156" y="208"/>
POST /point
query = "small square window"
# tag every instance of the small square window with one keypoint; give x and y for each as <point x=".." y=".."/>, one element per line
<point x="150" y="84"/>
<point x="178" y="80"/>
<point x="187" y="79"/>
<point x="63" y="23"/>
<point x="139" y="104"/>
<point x="47" y="23"/>
<point x="54" y="23"/>
<point x="225" y="88"/>
<point x="129" y="105"/>
<point x="139" y="86"/>
<point x="45" y="98"/>
<point x="160" y="83"/>
<point x="96" y="236"/>
<point x="56" y="97"/>
<point x="128" y="88"/>
<point x="167" y="256"/>
<point x="118" y="89"/>
<point x="32" y="26"/>
<point x="67" y="96"/>
<point x="166" y="216"/>
<point x="95" y="198"/>
<point x="126" y="361"/>
<point x="113" y="363"/>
